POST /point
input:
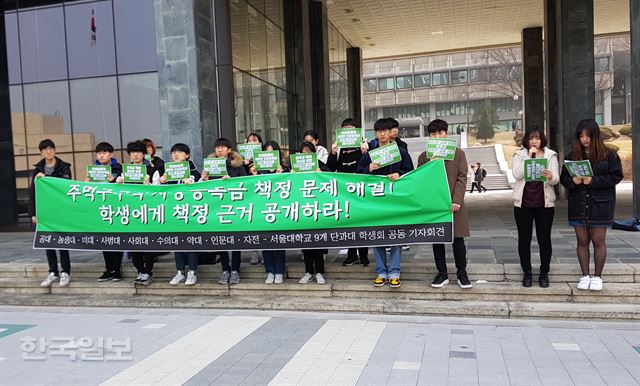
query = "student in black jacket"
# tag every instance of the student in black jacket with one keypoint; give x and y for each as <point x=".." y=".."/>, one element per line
<point x="345" y="160"/>
<point x="151" y="156"/>
<point x="235" y="168"/>
<point x="394" y="171"/>
<point x="51" y="166"/>
<point x="112" y="259"/>
<point x="591" y="200"/>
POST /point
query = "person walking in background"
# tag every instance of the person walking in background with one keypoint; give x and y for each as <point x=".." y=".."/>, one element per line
<point x="479" y="175"/>
<point x="534" y="201"/>
<point x="591" y="200"/>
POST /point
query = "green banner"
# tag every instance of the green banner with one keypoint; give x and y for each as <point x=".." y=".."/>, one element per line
<point x="579" y="168"/>
<point x="385" y="155"/>
<point x="304" y="162"/>
<point x="135" y="173"/>
<point x="274" y="211"/>
<point x="215" y="166"/>
<point x="533" y="169"/>
<point x="348" y="138"/>
<point x="444" y="148"/>
<point x="98" y="173"/>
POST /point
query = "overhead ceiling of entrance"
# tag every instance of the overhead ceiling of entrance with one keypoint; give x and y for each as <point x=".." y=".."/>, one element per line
<point x="405" y="27"/>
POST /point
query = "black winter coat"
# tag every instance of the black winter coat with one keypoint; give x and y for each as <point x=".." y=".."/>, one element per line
<point x="61" y="169"/>
<point x="594" y="203"/>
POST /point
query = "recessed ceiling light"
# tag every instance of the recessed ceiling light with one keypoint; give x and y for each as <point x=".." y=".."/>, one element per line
<point x="437" y="33"/>
<point x="348" y="10"/>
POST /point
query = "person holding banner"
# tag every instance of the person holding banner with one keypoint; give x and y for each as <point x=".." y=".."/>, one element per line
<point x="51" y="166"/>
<point x="590" y="173"/>
<point x="312" y="137"/>
<point x="456" y="169"/>
<point x="180" y="152"/>
<point x="252" y="138"/>
<point x="535" y="168"/>
<point x="235" y="168"/>
<point x="401" y="164"/>
<point x="112" y="259"/>
<point x="345" y="160"/>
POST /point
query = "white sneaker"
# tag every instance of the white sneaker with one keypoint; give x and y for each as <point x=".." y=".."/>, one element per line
<point x="405" y="247"/>
<point x="145" y="279"/>
<point x="49" y="280"/>
<point x="279" y="278"/>
<point x="177" y="279"/>
<point x="269" y="279"/>
<point x="320" y="278"/>
<point x="306" y="278"/>
<point x="64" y="279"/>
<point x="596" y="284"/>
<point x="585" y="282"/>
<point x="343" y="252"/>
<point x="137" y="279"/>
<point x="191" y="278"/>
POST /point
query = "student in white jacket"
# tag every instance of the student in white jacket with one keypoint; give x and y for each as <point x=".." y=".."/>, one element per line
<point x="534" y="200"/>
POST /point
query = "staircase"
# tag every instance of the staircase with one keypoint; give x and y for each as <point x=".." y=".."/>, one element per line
<point x="349" y="289"/>
<point x="486" y="155"/>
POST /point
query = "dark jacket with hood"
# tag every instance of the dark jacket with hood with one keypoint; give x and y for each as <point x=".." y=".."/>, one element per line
<point x="346" y="161"/>
<point x="404" y="166"/>
<point x="61" y="169"/>
<point x="116" y="168"/>
<point x="235" y="165"/>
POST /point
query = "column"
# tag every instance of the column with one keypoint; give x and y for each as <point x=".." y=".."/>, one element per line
<point x="634" y="8"/>
<point x="533" y="75"/>
<point x="354" y="75"/>
<point x="8" y="194"/>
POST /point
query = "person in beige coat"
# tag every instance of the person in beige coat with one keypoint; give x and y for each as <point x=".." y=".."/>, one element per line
<point x="534" y="201"/>
<point x="457" y="177"/>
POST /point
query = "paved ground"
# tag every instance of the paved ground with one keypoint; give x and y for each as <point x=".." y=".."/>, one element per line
<point x="92" y="346"/>
<point x="493" y="236"/>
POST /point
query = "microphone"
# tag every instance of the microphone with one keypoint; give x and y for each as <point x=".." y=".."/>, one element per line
<point x="534" y="154"/>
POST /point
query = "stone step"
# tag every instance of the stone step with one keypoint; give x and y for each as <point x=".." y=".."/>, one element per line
<point x="512" y="310"/>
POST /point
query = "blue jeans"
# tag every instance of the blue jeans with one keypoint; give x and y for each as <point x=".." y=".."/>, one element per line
<point x="182" y="257"/>
<point x="393" y="269"/>
<point x="274" y="262"/>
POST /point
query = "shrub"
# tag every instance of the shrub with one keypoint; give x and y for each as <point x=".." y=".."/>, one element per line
<point x="612" y="147"/>
<point x="625" y="131"/>
<point x="608" y="134"/>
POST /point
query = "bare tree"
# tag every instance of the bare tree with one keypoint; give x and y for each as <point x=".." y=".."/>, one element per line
<point x="506" y="77"/>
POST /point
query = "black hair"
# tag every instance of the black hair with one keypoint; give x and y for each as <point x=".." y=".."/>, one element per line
<point x="45" y="143"/>
<point x="181" y="147"/>
<point x="393" y="123"/>
<point x="148" y="142"/>
<point x="437" y="125"/>
<point x="307" y="145"/>
<point x="273" y="144"/>
<point x="312" y="133"/>
<point x="349" y="122"/>
<point x="597" y="149"/>
<point x="223" y="142"/>
<point x="136" y="146"/>
<point x="382" y="124"/>
<point x="104" y="146"/>
<point x="529" y="132"/>
<point x="254" y="135"/>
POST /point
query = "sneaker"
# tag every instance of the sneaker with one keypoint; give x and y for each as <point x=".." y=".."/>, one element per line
<point x="270" y="278"/>
<point x="106" y="276"/>
<point x="117" y="276"/>
<point x="138" y="278"/>
<point x="364" y="262"/>
<point x="463" y="280"/>
<point x="440" y="280"/>
<point x="279" y="279"/>
<point x="585" y="282"/>
<point x="224" y="278"/>
<point x="405" y="247"/>
<point x="49" y="280"/>
<point x="256" y="259"/>
<point x="595" y="285"/>
<point x="145" y="279"/>
<point x="343" y="251"/>
<point x="350" y="260"/>
<point x="191" y="278"/>
<point x="320" y="278"/>
<point x="379" y="281"/>
<point x="306" y="278"/>
<point x="64" y="279"/>
<point x="178" y="278"/>
<point x="394" y="282"/>
<point x="234" y="278"/>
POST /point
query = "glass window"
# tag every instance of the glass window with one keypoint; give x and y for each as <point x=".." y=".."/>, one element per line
<point x="13" y="47"/>
<point x="273" y="10"/>
<point x="440" y="61"/>
<point x="275" y="54"/>
<point x="135" y="28"/>
<point x="404" y="81"/>
<point x="440" y="78"/>
<point x="459" y="77"/>
<point x="94" y="109"/>
<point x="42" y="46"/>
<point x="258" y="4"/>
<point x="477" y="58"/>
<point x="140" y="107"/>
<point x="258" y="42"/>
<point x="385" y="84"/>
<point x="47" y="114"/>
<point x="422" y="80"/>
<point x="257" y="111"/>
<point x="240" y="35"/>
<point x="422" y="63"/>
<point x="459" y="59"/>
<point x="478" y="75"/>
<point x="88" y="57"/>
<point x="403" y="65"/>
<point x="17" y="121"/>
<point x="602" y="64"/>
<point x="370" y="85"/>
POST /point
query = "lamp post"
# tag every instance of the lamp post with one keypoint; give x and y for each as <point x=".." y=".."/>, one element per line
<point x="517" y="112"/>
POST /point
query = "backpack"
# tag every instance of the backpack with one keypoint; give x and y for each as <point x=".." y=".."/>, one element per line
<point x="484" y="173"/>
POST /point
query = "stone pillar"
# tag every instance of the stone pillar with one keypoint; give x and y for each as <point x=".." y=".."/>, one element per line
<point x="221" y="56"/>
<point x="551" y="70"/>
<point x="533" y="75"/>
<point x="8" y="194"/>
<point x="634" y="8"/>
<point x="321" y="91"/>
<point x="354" y="75"/>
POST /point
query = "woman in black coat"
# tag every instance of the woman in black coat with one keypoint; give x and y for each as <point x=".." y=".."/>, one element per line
<point x="591" y="200"/>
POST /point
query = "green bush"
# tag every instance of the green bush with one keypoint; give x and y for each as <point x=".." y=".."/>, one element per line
<point x="608" y="134"/>
<point x="612" y="147"/>
<point x="625" y="130"/>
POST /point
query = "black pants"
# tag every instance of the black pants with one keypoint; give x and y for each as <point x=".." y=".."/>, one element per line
<point x="524" y="220"/>
<point x="459" y="255"/>
<point x="354" y="252"/>
<point x="478" y="185"/>
<point x="313" y="261"/>
<point x="112" y="261"/>
<point x="52" y="259"/>
<point x="236" y="258"/>
<point x="143" y="261"/>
